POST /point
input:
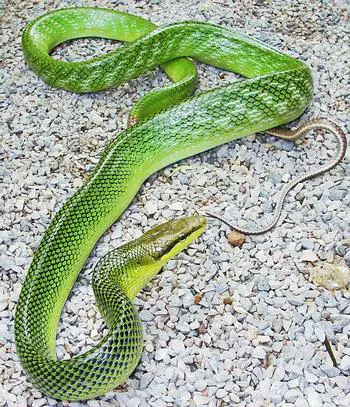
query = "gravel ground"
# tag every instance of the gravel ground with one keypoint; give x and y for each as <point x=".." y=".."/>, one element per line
<point x="257" y="336"/>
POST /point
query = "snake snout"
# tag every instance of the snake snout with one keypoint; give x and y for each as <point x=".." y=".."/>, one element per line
<point x="172" y="237"/>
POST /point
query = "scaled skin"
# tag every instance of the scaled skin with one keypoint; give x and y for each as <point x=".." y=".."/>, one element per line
<point x="278" y="90"/>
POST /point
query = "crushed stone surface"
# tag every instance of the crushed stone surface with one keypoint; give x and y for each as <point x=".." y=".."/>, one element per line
<point x="223" y="325"/>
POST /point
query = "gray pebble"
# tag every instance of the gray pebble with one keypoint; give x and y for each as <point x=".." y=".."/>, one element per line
<point x="345" y="362"/>
<point x="337" y="194"/>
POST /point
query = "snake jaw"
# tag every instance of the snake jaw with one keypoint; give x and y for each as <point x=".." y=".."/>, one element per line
<point x="170" y="238"/>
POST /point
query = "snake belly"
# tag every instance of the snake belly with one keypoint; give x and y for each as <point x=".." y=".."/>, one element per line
<point x="277" y="88"/>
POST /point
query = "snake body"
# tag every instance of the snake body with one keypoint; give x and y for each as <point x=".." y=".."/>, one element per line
<point x="277" y="89"/>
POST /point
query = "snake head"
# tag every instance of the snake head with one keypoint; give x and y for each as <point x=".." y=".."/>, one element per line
<point x="172" y="237"/>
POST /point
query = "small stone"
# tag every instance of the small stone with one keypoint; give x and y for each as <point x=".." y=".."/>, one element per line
<point x="277" y="346"/>
<point x="228" y="319"/>
<point x="275" y="177"/>
<point x="296" y="300"/>
<point x="313" y="398"/>
<point x="301" y="402"/>
<point x="345" y="363"/>
<point x="263" y="339"/>
<point x="52" y="114"/>
<point x="308" y="255"/>
<point x="263" y="284"/>
<point x="200" y="400"/>
<point x="183" y="178"/>
<point x="133" y="402"/>
<point x="177" y="345"/>
<point x="343" y="382"/>
<point x="274" y="285"/>
<point x="151" y="207"/>
<point x="146" y="315"/>
<point x="221" y="393"/>
<point x="201" y="329"/>
<point x="228" y="301"/>
<point x="198" y="298"/>
<point x="319" y="332"/>
<point x="161" y="353"/>
<point x="221" y="288"/>
<point x="200" y="385"/>
<point x="340" y="250"/>
<point x="278" y="390"/>
<point x="310" y="377"/>
<point x="176" y="206"/>
<point x="236" y="238"/>
<point x="261" y="256"/>
<point x="38" y="402"/>
<point x="307" y="244"/>
<point x="96" y="119"/>
<point x="292" y="395"/>
<point x="337" y="194"/>
<point x="20" y="204"/>
<point x="259" y="352"/>
<point x="170" y="373"/>
<point x="308" y="330"/>
<point x="146" y="379"/>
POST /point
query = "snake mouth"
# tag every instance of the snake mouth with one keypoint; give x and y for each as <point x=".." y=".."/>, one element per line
<point x="172" y="237"/>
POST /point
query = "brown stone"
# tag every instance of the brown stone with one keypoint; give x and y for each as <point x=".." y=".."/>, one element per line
<point x="228" y="301"/>
<point x="198" y="298"/>
<point x="236" y="238"/>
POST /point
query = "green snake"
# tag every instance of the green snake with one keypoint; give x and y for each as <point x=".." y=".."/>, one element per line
<point x="166" y="125"/>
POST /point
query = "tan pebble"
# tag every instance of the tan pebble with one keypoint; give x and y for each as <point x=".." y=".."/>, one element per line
<point x="198" y="298"/>
<point x="236" y="238"/>
<point x="228" y="301"/>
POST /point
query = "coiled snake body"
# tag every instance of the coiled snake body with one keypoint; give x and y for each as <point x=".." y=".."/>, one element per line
<point x="277" y="89"/>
